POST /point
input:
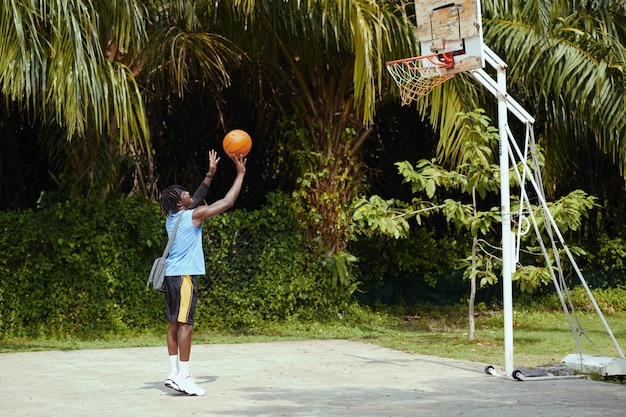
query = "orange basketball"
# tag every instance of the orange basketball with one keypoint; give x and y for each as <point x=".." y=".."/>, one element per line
<point x="237" y="143"/>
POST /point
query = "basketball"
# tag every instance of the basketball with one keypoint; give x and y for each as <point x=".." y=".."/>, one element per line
<point x="237" y="143"/>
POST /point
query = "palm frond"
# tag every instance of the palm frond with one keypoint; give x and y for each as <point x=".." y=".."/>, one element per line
<point x="54" y="57"/>
<point x="570" y="68"/>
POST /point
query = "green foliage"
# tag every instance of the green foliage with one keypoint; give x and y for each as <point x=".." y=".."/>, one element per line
<point x="476" y="175"/>
<point x="479" y="139"/>
<point x="611" y="252"/>
<point x="606" y="266"/>
<point x="403" y="272"/>
<point x="427" y="180"/>
<point x="568" y="213"/>
<point x="376" y="215"/>
<point x="486" y="270"/>
<point x="610" y="300"/>
<point x="259" y="267"/>
<point x="78" y="267"/>
<point x="81" y="268"/>
<point x="531" y="277"/>
<point x="326" y="187"/>
<point x="427" y="177"/>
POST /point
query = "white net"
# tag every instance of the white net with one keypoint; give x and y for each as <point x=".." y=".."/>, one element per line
<point x="415" y="80"/>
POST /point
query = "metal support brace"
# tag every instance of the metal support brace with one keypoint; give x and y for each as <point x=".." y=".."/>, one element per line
<point x="490" y="84"/>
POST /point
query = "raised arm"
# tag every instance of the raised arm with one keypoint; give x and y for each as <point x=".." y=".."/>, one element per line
<point x="220" y="206"/>
<point x="203" y="189"/>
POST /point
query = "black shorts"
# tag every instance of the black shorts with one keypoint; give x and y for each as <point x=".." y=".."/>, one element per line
<point x="181" y="297"/>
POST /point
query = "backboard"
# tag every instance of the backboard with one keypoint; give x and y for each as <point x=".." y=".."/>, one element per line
<point x="453" y="27"/>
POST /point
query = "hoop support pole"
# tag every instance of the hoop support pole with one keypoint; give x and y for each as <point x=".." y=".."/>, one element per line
<point x="508" y="251"/>
<point x="498" y="89"/>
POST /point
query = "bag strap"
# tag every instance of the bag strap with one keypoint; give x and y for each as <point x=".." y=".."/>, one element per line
<point x="166" y="252"/>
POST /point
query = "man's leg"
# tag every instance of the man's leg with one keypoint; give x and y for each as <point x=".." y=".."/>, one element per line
<point x="184" y="380"/>
<point x="180" y="330"/>
<point x="172" y="350"/>
<point x="172" y="303"/>
<point x="184" y="341"/>
<point x="172" y="338"/>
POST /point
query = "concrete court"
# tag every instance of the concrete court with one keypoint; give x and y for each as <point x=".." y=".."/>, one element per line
<point x="310" y="378"/>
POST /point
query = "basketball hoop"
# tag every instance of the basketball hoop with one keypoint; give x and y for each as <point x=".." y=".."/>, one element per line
<point x="416" y="77"/>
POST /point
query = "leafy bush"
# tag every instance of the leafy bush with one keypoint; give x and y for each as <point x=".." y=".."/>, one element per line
<point x="81" y="267"/>
<point x="406" y="272"/>
<point x="606" y="267"/>
<point x="610" y="300"/>
<point x="259" y="267"/>
<point x="78" y="266"/>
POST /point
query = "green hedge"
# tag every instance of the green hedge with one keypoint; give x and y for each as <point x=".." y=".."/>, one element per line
<point x="81" y="267"/>
<point x="420" y="269"/>
<point x="260" y="268"/>
<point x="78" y="266"/>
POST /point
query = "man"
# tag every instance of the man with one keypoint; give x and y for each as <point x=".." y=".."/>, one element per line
<point x="185" y="262"/>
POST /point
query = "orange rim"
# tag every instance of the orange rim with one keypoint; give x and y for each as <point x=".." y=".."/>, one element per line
<point x="444" y="60"/>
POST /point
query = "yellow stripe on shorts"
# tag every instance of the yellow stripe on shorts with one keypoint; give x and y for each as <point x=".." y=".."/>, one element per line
<point x="186" y="290"/>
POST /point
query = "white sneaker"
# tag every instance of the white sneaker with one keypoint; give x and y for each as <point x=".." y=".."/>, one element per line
<point x="187" y="385"/>
<point x="169" y="382"/>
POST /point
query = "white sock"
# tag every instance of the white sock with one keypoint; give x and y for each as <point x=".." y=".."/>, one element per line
<point x="183" y="368"/>
<point x="174" y="363"/>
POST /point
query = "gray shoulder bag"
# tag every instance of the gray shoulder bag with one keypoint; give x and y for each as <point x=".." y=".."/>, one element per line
<point x="157" y="273"/>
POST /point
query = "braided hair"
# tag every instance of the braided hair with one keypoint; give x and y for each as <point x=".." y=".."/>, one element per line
<point x="170" y="198"/>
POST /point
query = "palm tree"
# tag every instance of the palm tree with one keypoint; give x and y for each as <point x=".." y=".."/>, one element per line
<point x="60" y="66"/>
<point x="59" y="61"/>
<point x="183" y="63"/>
<point x="321" y="65"/>
<point x="75" y="68"/>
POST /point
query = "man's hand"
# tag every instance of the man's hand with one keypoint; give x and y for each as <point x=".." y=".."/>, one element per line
<point x="213" y="160"/>
<point x="240" y="163"/>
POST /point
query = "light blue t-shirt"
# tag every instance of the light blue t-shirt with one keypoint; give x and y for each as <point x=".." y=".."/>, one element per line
<point x="186" y="255"/>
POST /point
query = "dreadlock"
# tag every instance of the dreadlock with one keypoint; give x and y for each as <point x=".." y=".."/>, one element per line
<point x="170" y="198"/>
